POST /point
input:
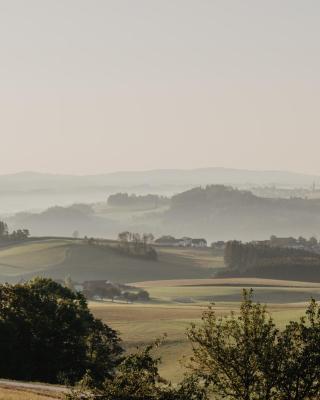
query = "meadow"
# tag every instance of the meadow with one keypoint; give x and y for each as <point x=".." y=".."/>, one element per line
<point x="58" y="258"/>
<point x="174" y="307"/>
<point x="181" y="285"/>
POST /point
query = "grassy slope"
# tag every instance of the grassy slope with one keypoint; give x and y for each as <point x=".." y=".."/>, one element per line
<point x="31" y="257"/>
<point x="140" y="324"/>
<point x="11" y="394"/>
<point x="58" y="258"/>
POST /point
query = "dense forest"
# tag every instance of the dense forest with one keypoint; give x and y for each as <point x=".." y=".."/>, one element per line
<point x="134" y="201"/>
<point x="252" y="259"/>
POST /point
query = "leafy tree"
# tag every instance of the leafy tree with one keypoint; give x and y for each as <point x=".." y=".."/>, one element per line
<point x="143" y="295"/>
<point x="3" y="229"/>
<point x="47" y="333"/>
<point x="137" y="378"/>
<point x="236" y="355"/>
<point x="112" y="292"/>
<point x="313" y="241"/>
<point x="298" y="376"/>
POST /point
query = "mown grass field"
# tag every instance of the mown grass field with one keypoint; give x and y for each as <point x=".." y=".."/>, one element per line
<point x="59" y="258"/>
<point x="32" y="256"/>
<point x="141" y="325"/>
<point x="174" y="308"/>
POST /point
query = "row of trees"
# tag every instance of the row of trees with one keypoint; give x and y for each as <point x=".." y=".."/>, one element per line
<point x="19" y="234"/>
<point x="138" y="245"/>
<point x="106" y="290"/>
<point x="244" y="256"/>
<point x="139" y="202"/>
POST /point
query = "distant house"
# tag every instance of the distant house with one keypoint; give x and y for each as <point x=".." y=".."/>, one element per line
<point x="199" y="242"/>
<point x="170" y="241"/>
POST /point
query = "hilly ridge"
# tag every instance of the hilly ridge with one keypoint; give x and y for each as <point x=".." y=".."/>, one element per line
<point x="59" y="258"/>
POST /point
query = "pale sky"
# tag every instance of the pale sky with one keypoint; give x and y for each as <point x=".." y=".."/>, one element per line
<point x="93" y="86"/>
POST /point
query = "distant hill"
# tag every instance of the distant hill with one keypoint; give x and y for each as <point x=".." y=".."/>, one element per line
<point x="221" y="212"/>
<point x="37" y="181"/>
<point x="215" y="212"/>
<point x="59" y="258"/>
<point x="36" y="191"/>
<point x="63" y="221"/>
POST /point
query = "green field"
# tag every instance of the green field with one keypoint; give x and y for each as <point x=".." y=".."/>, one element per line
<point x="175" y="307"/>
<point x="139" y="325"/>
<point x="32" y="257"/>
<point x="59" y="258"/>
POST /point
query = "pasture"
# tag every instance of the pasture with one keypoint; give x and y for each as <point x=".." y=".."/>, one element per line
<point x="174" y="308"/>
<point x="28" y="257"/>
<point x="58" y="258"/>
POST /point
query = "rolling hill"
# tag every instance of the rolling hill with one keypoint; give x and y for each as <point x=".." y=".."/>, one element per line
<point x="58" y="258"/>
<point x="220" y="212"/>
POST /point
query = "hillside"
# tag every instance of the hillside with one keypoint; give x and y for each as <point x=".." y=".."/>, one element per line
<point x="32" y="191"/>
<point x="215" y="212"/>
<point x="199" y="176"/>
<point x="58" y="258"/>
<point x="221" y="212"/>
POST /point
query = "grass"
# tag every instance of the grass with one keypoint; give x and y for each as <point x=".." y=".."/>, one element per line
<point x="12" y="394"/>
<point x="59" y="258"/>
<point x="239" y="282"/>
<point x="32" y="256"/>
<point x="140" y="325"/>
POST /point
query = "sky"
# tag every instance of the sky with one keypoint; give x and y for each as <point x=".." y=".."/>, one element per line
<point x="95" y="86"/>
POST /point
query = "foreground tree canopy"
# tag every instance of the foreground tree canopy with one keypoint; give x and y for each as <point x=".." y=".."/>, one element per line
<point x="247" y="357"/>
<point x="241" y="356"/>
<point x="47" y="333"/>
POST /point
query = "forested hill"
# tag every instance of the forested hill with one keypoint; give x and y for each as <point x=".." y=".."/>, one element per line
<point x="221" y="212"/>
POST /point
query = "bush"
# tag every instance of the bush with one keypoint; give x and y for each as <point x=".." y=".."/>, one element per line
<point x="138" y="378"/>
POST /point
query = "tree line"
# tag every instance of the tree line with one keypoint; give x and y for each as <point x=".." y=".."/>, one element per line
<point x="135" y="244"/>
<point x="112" y="291"/>
<point x="245" y="256"/>
<point x="19" y="234"/>
<point x="135" y="201"/>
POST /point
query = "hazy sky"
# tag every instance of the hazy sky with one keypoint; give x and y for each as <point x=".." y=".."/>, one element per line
<point x="92" y="86"/>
